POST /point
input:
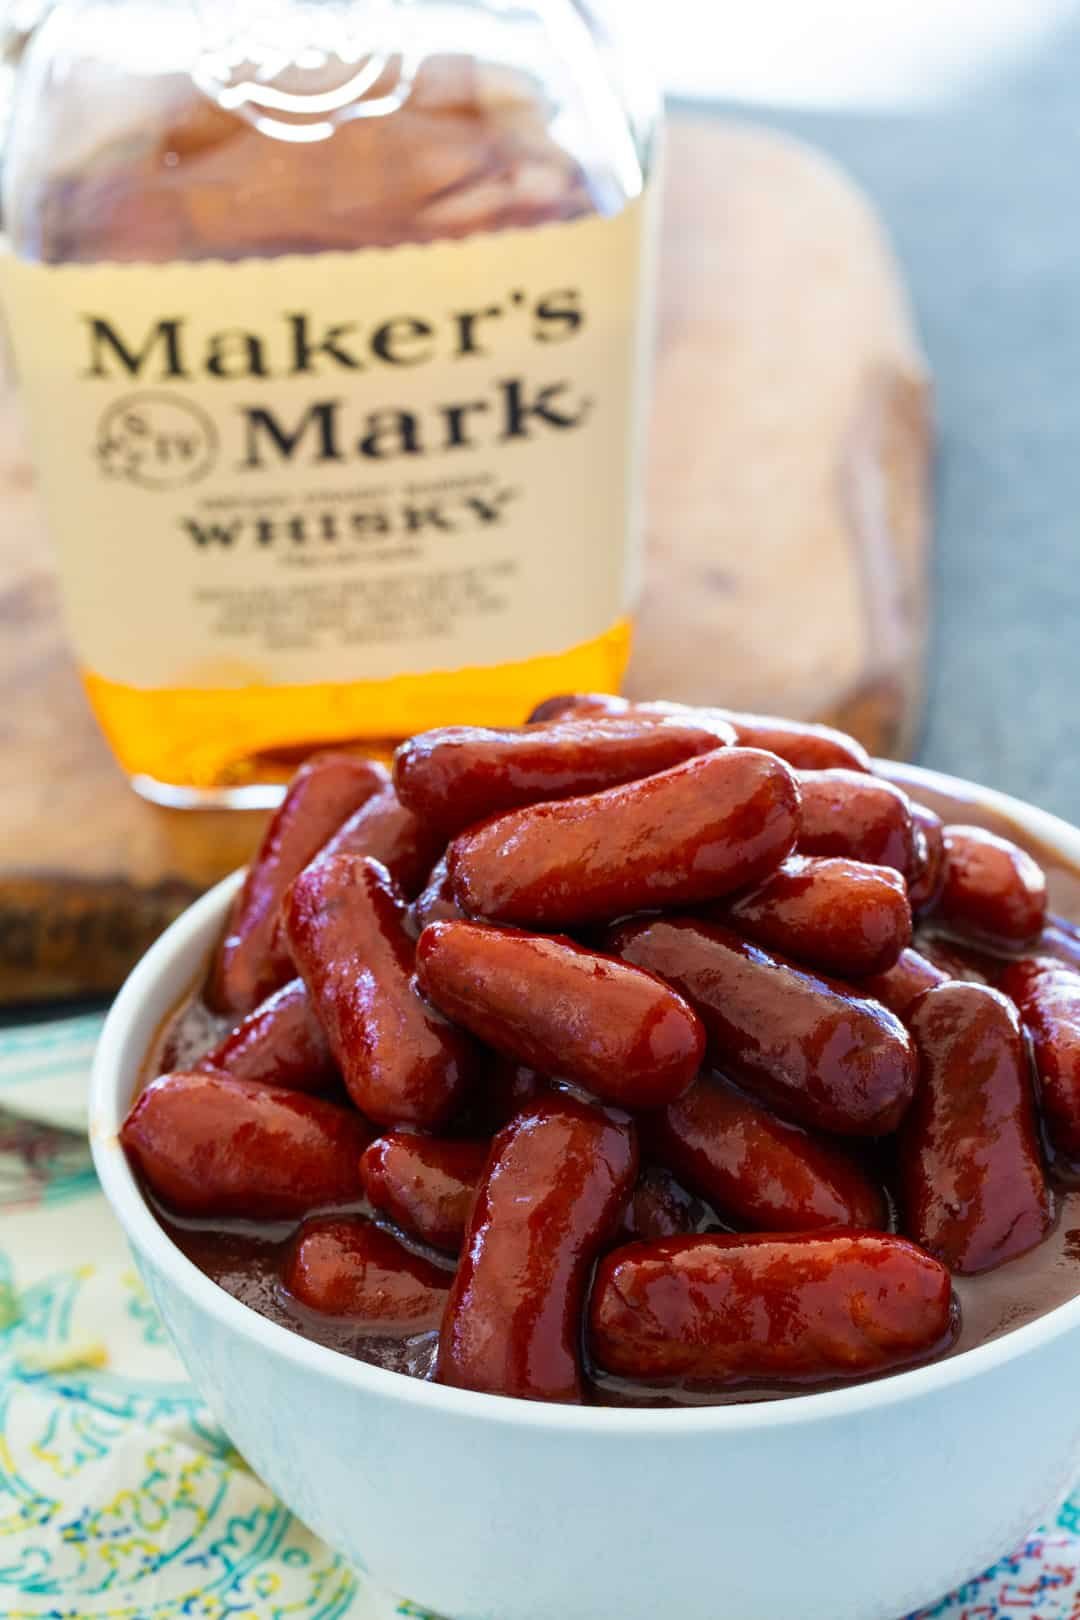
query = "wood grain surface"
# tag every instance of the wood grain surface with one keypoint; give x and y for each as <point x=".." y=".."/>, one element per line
<point x="787" y="537"/>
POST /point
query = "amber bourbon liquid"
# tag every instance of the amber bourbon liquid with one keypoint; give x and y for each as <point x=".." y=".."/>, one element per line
<point x="350" y="425"/>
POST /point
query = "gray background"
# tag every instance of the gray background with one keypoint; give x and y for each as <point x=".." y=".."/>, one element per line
<point x="982" y="196"/>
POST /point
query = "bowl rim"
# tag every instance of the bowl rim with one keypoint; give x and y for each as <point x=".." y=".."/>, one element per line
<point x="117" y="1054"/>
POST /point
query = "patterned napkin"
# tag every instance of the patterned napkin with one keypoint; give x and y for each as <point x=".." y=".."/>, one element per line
<point x="120" y="1499"/>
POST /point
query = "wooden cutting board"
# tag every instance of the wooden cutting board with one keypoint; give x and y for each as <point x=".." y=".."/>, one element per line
<point x="787" y="540"/>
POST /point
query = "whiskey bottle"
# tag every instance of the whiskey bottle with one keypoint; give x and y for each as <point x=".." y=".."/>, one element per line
<point x="331" y="321"/>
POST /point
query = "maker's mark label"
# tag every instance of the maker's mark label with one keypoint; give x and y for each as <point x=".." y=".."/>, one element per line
<point x="341" y="466"/>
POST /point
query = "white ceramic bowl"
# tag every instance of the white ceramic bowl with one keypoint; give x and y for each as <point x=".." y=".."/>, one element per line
<point x="861" y="1504"/>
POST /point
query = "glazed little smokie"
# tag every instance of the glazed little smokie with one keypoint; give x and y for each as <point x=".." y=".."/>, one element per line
<point x="802" y="1306"/>
<point x="704" y="829"/>
<point x="453" y="778"/>
<point x="624" y="1035"/>
<point x="811" y="1047"/>
<point x="760" y="1172"/>
<point x="856" y="817"/>
<point x="990" y="888"/>
<point x="380" y="829"/>
<point x="1048" y="996"/>
<point x="281" y="1043"/>
<point x="402" y="1063"/>
<point x="324" y="793"/>
<point x="424" y="1184"/>
<point x="644" y="1054"/>
<point x="972" y="1183"/>
<point x="352" y="1268"/>
<point x="557" y="1180"/>
<point x="209" y="1144"/>
<point x="386" y="831"/>
<point x="928" y="869"/>
<point x="806" y="747"/>
<point x="844" y="917"/>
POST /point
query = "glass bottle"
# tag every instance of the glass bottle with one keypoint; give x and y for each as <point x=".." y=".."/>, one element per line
<point x="331" y="320"/>
<point x="17" y="23"/>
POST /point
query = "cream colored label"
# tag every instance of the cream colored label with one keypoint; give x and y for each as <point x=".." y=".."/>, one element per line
<point x="343" y="466"/>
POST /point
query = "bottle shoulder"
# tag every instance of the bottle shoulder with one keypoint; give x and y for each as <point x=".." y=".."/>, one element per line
<point x="191" y="144"/>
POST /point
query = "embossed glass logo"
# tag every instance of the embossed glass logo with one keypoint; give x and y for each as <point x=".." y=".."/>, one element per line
<point x="297" y="70"/>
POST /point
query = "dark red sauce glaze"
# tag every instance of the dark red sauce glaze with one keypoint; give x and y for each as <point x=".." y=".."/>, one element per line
<point x="249" y="1259"/>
